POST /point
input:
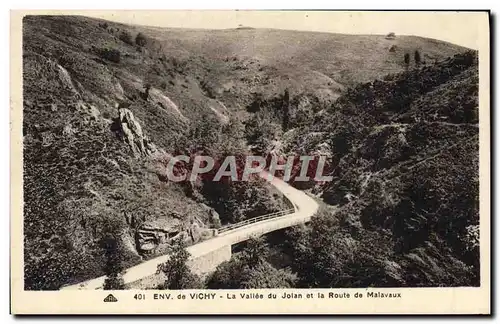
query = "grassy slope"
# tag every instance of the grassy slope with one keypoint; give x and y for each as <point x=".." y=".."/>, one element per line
<point x="322" y="64"/>
<point x="235" y="64"/>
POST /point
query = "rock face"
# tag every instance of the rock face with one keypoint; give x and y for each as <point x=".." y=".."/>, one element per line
<point x="65" y="78"/>
<point x="131" y="132"/>
<point x="161" y="233"/>
<point x="213" y="216"/>
<point x="156" y="236"/>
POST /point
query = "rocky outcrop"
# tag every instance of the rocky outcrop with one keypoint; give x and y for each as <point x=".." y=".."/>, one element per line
<point x="213" y="216"/>
<point x="65" y="78"/>
<point x="161" y="233"/>
<point x="131" y="133"/>
<point x="166" y="103"/>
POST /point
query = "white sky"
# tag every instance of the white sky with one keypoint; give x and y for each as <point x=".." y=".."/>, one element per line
<point x="460" y="28"/>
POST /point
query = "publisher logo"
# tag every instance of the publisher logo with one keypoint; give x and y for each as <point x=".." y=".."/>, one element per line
<point x="110" y="299"/>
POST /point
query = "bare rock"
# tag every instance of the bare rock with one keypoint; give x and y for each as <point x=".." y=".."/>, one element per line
<point x="65" y="78"/>
<point x="132" y="134"/>
<point x="162" y="233"/>
<point x="393" y="270"/>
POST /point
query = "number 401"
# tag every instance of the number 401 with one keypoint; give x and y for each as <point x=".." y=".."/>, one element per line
<point x="140" y="296"/>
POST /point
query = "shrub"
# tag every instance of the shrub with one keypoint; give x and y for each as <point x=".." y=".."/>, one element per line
<point x="417" y="58"/>
<point x="141" y="40"/>
<point x="126" y="37"/>
<point x="110" y="54"/>
<point x="407" y="58"/>
<point x="391" y="35"/>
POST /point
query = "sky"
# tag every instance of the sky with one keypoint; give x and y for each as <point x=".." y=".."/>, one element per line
<point x="460" y="28"/>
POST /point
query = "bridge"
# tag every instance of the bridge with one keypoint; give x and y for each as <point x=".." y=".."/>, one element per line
<point x="207" y="255"/>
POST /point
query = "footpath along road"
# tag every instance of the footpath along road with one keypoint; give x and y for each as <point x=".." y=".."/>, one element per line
<point x="304" y="208"/>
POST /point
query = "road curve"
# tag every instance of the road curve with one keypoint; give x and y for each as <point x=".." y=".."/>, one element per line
<point x="304" y="206"/>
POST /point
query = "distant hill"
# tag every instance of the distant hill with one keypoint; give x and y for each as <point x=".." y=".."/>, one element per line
<point x="231" y="65"/>
<point x="316" y="63"/>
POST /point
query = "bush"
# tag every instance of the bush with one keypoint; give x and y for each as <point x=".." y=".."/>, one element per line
<point x="110" y="54"/>
<point x="141" y="40"/>
<point x="391" y="35"/>
<point x="407" y="58"/>
<point x="417" y="58"/>
<point x="126" y="37"/>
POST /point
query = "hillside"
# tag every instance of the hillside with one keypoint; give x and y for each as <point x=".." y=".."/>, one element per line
<point x="406" y="180"/>
<point x="265" y="62"/>
<point x="106" y="105"/>
<point x="403" y="207"/>
<point x="95" y="149"/>
<point x="222" y="71"/>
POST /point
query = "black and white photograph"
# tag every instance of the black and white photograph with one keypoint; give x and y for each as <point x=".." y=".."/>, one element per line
<point x="233" y="153"/>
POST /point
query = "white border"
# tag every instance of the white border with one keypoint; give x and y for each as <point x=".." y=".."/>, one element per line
<point x="186" y="4"/>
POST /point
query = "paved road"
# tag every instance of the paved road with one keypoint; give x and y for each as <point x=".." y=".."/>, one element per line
<point x="305" y="207"/>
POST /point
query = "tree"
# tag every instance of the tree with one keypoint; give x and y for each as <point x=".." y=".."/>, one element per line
<point x="255" y="252"/>
<point x="236" y="201"/>
<point x="145" y="94"/>
<point x="177" y="272"/>
<point x="325" y="255"/>
<point x="417" y="58"/>
<point x="260" y="130"/>
<point x="342" y="138"/>
<point x="113" y="267"/>
<point x="141" y="40"/>
<point x="264" y="275"/>
<point x="390" y="36"/>
<point x="227" y="275"/>
<point x="286" y="110"/>
<point x="250" y="270"/>
<point x="407" y="59"/>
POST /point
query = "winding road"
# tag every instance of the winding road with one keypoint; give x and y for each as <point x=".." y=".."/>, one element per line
<point x="304" y="208"/>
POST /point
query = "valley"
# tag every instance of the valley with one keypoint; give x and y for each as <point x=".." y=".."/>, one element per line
<point x="107" y="106"/>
